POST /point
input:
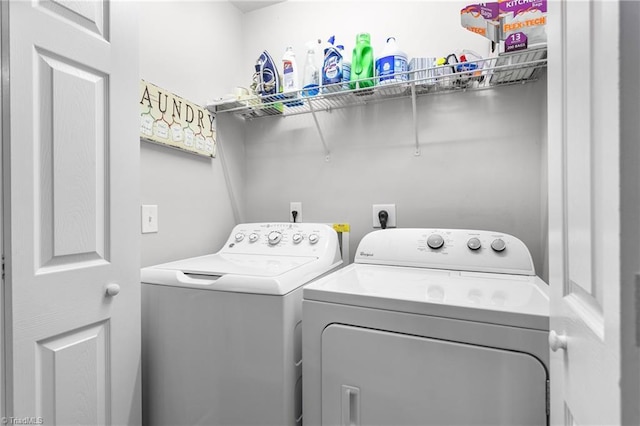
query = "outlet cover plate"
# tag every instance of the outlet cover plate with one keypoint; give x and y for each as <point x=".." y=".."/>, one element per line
<point x="390" y="208"/>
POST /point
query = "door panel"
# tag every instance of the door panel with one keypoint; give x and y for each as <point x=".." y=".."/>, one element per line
<point x="73" y="212"/>
<point x="62" y="367"/>
<point x="71" y="198"/>
<point x="584" y="254"/>
<point x="372" y="377"/>
<point x="91" y="15"/>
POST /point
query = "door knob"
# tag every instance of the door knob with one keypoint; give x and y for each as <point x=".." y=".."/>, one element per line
<point x="557" y="341"/>
<point x="112" y="290"/>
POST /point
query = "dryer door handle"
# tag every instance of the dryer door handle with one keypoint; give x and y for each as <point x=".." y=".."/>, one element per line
<point x="350" y="406"/>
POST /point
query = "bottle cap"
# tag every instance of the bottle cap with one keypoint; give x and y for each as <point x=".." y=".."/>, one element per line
<point x="363" y="37"/>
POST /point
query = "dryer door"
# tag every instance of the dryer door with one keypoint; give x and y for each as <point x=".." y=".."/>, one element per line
<point x="372" y="377"/>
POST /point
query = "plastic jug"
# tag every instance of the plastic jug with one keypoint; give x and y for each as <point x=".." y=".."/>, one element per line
<point x="391" y="67"/>
<point x="362" y="63"/>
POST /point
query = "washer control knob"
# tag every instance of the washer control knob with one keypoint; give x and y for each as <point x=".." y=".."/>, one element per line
<point x="313" y="238"/>
<point x="474" y="243"/>
<point x="253" y="237"/>
<point x="274" y="237"/>
<point x="239" y="237"/>
<point x="498" y="245"/>
<point x="297" y="238"/>
<point x="435" y="241"/>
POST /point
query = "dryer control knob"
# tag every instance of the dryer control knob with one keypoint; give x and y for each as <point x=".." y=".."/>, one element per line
<point x="253" y="237"/>
<point x="313" y="238"/>
<point x="474" y="243"/>
<point x="297" y="238"/>
<point x="274" y="237"/>
<point x="435" y="241"/>
<point x="239" y="237"/>
<point x="498" y="245"/>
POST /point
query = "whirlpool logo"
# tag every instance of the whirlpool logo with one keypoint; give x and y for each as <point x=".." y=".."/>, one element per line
<point x="365" y="254"/>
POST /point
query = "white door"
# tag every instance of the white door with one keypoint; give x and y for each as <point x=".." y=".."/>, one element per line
<point x="71" y="209"/>
<point x="584" y="218"/>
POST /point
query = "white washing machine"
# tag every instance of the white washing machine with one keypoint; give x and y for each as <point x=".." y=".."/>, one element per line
<point x="221" y="333"/>
<point x="428" y="327"/>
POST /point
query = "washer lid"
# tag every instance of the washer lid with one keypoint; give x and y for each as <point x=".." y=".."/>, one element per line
<point x="513" y="300"/>
<point x="258" y="274"/>
<point x="253" y="265"/>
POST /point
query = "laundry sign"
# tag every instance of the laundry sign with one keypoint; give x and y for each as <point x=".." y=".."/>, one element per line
<point x="170" y="120"/>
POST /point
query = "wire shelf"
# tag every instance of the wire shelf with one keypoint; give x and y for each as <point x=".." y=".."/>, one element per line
<point x="505" y="69"/>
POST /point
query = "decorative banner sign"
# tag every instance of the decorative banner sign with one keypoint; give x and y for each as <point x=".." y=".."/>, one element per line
<point x="170" y="120"/>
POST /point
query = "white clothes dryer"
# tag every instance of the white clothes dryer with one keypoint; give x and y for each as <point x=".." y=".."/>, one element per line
<point x="221" y="333"/>
<point x="428" y="327"/>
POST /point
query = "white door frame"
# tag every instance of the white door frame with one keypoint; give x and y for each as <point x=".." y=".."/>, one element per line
<point x="4" y="87"/>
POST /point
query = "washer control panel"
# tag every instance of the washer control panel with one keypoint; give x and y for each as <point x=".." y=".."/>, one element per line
<point x="453" y="249"/>
<point x="280" y="238"/>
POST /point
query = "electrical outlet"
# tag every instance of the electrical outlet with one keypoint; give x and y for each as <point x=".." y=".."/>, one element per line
<point x="149" y="219"/>
<point x="295" y="206"/>
<point x="390" y="209"/>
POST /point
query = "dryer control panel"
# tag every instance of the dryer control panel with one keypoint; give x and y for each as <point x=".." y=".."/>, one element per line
<point x="287" y="239"/>
<point x="452" y="249"/>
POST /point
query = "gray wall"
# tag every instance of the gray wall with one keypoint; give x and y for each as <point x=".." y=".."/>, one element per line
<point x="185" y="47"/>
<point x="480" y="168"/>
<point x="483" y="162"/>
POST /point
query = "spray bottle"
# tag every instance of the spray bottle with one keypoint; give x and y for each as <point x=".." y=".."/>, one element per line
<point x="310" y="74"/>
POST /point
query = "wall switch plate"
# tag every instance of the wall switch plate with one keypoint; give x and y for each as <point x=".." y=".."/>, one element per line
<point x="391" y="210"/>
<point x="149" y="219"/>
<point x="295" y="206"/>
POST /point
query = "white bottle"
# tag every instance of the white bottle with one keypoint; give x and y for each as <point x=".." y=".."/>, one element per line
<point x="290" y="71"/>
<point x="391" y="62"/>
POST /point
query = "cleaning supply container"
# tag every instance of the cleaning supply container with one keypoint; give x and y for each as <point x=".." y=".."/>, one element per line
<point x="310" y="74"/>
<point x="332" y="68"/>
<point x="362" y="63"/>
<point x="346" y="68"/>
<point x="290" y="71"/>
<point x="392" y="65"/>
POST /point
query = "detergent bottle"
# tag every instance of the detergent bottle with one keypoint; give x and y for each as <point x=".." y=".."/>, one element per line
<point x="362" y="63"/>
<point x="332" y="69"/>
<point x="310" y="74"/>
<point x="392" y="67"/>
<point x="290" y="71"/>
<point x="346" y="68"/>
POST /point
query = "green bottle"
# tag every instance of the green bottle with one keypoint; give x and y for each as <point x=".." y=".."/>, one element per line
<point x="362" y="63"/>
